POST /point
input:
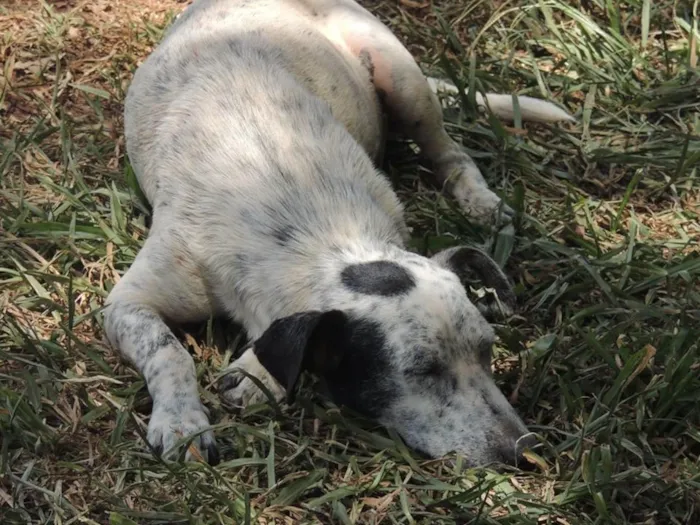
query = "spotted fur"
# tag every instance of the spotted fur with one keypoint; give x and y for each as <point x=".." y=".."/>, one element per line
<point x="252" y="129"/>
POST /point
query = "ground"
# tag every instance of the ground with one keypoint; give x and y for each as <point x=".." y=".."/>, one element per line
<point x="601" y="359"/>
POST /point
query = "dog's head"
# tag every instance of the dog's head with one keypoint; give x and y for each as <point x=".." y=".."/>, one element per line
<point x="405" y="345"/>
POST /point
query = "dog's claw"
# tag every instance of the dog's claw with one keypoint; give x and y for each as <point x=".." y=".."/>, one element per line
<point x="230" y="381"/>
<point x="213" y="454"/>
<point x="505" y="215"/>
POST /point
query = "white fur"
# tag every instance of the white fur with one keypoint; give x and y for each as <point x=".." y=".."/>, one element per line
<point x="252" y="130"/>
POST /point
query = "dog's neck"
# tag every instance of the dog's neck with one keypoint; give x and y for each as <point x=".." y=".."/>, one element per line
<point x="289" y="281"/>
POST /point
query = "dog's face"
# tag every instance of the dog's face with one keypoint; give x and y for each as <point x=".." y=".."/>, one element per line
<point x="406" y="346"/>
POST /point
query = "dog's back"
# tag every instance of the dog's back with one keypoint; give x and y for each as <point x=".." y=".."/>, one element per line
<point x="241" y="75"/>
<point x="231" y="140"/>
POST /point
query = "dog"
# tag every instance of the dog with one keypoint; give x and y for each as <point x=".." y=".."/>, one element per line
<point x="253" y="129"/>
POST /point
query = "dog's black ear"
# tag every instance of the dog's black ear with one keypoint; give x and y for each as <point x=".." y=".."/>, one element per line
<point x="312" y="341"/>
<point x="477" y="270"/>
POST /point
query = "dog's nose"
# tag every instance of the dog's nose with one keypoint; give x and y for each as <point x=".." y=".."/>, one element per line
<point x="513" y="455"/>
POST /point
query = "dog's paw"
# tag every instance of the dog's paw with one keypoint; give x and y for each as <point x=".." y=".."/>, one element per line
<point x="241" y="391"/>
<point x="475" y="198"/>
<point x="173" y="420"/>
<point x="485" y="207"/>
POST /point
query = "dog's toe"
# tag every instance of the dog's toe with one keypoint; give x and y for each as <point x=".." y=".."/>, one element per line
<point x="505" y="213"/>
<point x="171" y="422"/>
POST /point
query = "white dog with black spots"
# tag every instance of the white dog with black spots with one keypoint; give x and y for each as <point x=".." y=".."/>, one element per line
<point x="253" y="129"/>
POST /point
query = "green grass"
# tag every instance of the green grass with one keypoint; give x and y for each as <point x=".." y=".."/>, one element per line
<point x="602" y="359"/>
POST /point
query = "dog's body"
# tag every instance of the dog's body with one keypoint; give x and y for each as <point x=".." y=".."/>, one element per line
<point x="252" y="129"/>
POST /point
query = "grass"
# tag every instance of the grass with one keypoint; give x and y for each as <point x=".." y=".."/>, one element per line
<point x="602" y="359"/>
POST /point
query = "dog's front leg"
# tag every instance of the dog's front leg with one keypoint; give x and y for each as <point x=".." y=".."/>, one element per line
<point x="134" y="325"/>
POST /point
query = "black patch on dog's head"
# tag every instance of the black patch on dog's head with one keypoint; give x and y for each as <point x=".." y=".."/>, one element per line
<point x="363" y="379"/>
<point x="377" y="278"/>
<point x="310" y="340"/>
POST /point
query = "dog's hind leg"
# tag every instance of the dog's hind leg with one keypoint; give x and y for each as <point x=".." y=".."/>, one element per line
<point x="415" y="108"/>
<point x="163" y="283"/>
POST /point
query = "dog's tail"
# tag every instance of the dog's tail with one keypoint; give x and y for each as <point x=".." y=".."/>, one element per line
<point x="531" y="109"/>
